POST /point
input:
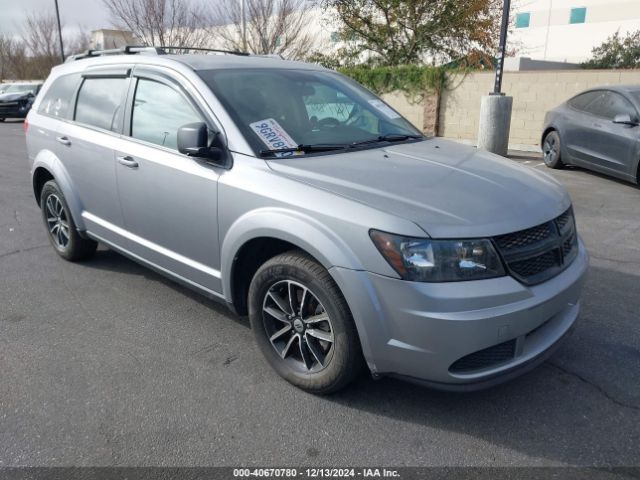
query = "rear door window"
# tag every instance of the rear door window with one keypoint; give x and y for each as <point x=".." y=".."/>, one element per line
<point x="59" y="96"/>
<point x="101" y="102"/>
<point x="583" y="101"/>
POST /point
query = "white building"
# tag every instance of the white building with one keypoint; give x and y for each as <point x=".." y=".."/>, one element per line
<point x="105" y="39"/>
<point x="567" y="30"/>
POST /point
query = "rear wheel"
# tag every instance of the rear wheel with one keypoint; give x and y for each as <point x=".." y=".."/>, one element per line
<point x="551" y="150"/>
<point x="60" y="225"/>
<point x="303" y="325"/>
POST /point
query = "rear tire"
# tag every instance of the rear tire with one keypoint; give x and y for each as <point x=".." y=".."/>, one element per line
<point x="303" y="325"/>
<point x="551" y="150"/>
<point x="61" y="228"/>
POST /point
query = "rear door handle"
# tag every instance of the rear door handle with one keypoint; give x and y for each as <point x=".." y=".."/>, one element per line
<point x="128" y="161"/>
<point x="64" y="140"/>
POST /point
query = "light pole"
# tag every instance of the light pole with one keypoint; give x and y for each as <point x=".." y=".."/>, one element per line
<point x="244" y="25"/>
<point x="495" y="108"/>
<point x="504" y="27"/>
<point x="59" y="31"/>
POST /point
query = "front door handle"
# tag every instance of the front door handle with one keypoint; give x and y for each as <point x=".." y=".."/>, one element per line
<point x="64" y="140"/>
<point x="128" y="161"/>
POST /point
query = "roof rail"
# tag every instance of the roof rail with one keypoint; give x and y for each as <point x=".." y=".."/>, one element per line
<point x="128" y="50"/>
<point x="200" y="49"/>
<point x="132" y="50"/>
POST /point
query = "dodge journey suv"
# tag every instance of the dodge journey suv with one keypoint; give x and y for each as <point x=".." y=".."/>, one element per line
<point x="304" y="201"/>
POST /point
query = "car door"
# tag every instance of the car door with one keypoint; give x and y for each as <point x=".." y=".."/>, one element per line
<point x="614" y="145"/>
<point x="577" y="124"/>
<point x="169" y="200"/>
<point x="86" y="148"/>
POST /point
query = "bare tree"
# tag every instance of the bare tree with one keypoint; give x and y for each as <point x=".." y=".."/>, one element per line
<point x="40" y="36"/>
<point x="77" y="43"/>
<point x="272" y="26"/>
<point x="33" y="53"/>
<point x="161" y="22"/>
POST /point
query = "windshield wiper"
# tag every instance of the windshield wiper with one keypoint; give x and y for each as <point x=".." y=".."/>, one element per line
<point x="318" y="147"/>
<point x="328" y="147"/>
<point x="390" y="137"/>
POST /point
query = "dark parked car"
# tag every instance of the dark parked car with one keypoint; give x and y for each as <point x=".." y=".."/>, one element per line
<point x="17" y="99"/>
<point x="597" y="129"/>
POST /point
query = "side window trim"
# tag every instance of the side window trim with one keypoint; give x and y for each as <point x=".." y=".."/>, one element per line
<point x="108" y="72"/>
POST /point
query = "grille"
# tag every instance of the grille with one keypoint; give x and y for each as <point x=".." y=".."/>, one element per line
<point x="536" y="265"/>
<point x="486" y="358"/>
<point x="539" y="253"/>
<point x="524" y="238"/>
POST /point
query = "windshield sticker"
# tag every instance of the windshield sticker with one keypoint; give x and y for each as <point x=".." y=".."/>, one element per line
<point x="384" y="108"/>
<point x="274" y="136"/>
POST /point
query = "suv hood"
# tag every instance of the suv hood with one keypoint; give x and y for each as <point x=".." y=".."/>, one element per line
<point x="450" y="190"/>
<point x="12" y="97"/>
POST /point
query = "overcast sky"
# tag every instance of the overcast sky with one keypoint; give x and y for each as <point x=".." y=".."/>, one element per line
<point x="89" y="14"/>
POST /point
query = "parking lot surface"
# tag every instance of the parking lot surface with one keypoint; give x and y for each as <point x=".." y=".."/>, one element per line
<point x="106" y="363"/>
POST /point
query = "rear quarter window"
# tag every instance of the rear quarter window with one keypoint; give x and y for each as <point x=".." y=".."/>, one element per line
<point x="57" y="99"/>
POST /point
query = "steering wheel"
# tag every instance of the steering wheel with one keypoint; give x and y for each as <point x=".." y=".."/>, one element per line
<point x="329" y="122"/>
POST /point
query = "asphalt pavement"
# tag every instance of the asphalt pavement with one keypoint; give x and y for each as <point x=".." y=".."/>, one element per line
<point x="106" y="363"/>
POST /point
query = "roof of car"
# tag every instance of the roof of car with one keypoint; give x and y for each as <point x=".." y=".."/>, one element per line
<point x="615" y="88"/>
<point x="193" y="61"/>
<point x="209" y="62"/>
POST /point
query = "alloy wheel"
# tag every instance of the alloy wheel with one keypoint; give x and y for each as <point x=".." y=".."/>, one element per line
<point x="550" y="149"/>
<point x="298" y="326"/>
<point x="57" y="221"/>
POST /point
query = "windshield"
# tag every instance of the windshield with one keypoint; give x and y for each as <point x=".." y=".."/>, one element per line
<point x="280" y="109"/>
<point x="18" y="88"/>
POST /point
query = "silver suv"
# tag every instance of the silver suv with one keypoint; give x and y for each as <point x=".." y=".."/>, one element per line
<point x="302" y="200"/>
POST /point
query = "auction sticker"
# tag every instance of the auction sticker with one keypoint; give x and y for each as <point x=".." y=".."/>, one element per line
<point x="384" y="108"/>
<point x="273" y="135"/>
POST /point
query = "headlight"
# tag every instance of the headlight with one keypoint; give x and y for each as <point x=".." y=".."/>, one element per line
<point x="426" y="260"/>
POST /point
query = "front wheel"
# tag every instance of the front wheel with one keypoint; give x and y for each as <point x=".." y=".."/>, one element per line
<point x="551" y="150"/>
<point x="61" y="228"/>
<point x="303" y="325"/>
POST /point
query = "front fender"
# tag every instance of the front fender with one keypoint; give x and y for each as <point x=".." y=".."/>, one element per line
<point x="294" y="227"/>
<point x="49" y="161"/>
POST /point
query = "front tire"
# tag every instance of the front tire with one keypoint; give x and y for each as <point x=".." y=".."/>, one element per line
<point x="61" y="228"/>
<point x="552" y="151"/>
<point x="303" y="325"/>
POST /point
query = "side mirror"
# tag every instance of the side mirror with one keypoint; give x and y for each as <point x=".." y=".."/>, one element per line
<point x="625" y="119"/>
<point x="193" y="140"/>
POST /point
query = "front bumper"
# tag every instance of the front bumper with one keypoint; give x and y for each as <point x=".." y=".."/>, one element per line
<point x="422" y="331"/>
<point x="14" y="110"/>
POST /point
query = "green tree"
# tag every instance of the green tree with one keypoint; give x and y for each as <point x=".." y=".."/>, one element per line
<point x="400" y="32"/>
<point x="617" y="52"/>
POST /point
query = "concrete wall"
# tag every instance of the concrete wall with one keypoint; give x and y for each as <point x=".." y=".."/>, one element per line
<point x="534" y="93"/>
<point x="409" y="109"/>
